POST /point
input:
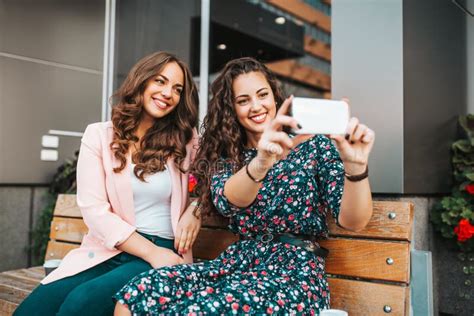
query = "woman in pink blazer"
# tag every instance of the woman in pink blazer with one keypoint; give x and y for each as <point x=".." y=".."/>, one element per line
<point x="132" y="189"/>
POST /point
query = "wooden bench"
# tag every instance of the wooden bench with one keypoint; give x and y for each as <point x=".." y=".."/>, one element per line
<point x="368" y="271"/>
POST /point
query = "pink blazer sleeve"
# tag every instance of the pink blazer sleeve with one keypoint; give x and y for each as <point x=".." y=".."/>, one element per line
<point x="103" y="223"/>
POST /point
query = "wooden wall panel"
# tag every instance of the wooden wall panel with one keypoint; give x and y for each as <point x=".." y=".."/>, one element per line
<point x="305" y="12"/>
<point x="317" y="48"/>
<point x="305" y="74"/>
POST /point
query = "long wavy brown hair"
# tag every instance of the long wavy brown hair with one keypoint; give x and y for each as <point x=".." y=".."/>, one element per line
<point x="223" y="138"/>
<point x="168" y="136"/>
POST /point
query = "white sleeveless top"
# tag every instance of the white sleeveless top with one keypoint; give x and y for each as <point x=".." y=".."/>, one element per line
<point x="152" y="201"/>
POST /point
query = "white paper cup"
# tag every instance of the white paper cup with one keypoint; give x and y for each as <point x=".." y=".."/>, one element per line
<point x="333" y="312"/>
<point x="50" y="265"/>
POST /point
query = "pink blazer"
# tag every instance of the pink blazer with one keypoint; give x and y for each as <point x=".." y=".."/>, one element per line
<point x="106" y="201"/>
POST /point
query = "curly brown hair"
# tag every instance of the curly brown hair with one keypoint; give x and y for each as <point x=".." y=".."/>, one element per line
<point x="223" y="138"/>
<point x="169" y="135"/>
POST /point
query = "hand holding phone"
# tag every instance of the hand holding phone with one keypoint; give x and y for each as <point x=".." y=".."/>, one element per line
<point x="320" y="116"/>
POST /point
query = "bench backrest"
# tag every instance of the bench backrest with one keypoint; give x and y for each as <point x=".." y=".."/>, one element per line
<point x="67" y="227"/>
<point x="368" y="271"/>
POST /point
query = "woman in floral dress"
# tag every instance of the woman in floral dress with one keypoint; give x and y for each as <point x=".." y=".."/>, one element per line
<point x="277" y="191"/>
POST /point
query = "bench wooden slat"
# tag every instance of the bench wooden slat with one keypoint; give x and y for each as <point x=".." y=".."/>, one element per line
<point x="210" y="243"/>
<point x="361" y="298"/>
<point x="368" y="259"/>
<point x="17" y="283"/>
<point x="66" y="205"/>
<point x="68" y="229"/>
<point x="380" y="225"/>
<point x="356" y="297"/>
<point x="37" y="270"/>
<point x="10" y="298"/>
<point x="57" y="249"/>
<point x="15" y="286"/>
<point x="13" y="294"/>
<point x="26" y="274"/>
<point x="348" y="257"/>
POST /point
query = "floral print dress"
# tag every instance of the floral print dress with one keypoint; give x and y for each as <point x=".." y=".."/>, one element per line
<point x="254" y="277"/>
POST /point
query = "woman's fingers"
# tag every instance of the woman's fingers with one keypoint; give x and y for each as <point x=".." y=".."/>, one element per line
<point x="271" y="148"/>
<point x="283" y="120"/>
<point x="282" y="138"/>
<point x="182" y="241"/>
<point x="283" y="110"/>
<point x="351" y="127"/>
<point x="276" y="143"/>
<point x="190" y="238"/>
<point x="360" y="131"/>
<point x="188" y="242"/>
<point x="369" y="136"/>
<point x="357" y="132"/>
<point x="177" y="237"/>
<point x="340" y="142"/>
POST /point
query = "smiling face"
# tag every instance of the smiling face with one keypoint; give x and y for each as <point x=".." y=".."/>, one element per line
<point x="254" y="103"/>
<point x="163" y="92"/>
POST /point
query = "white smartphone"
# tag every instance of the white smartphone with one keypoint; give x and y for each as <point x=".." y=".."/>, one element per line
<point x="320" y="116"/>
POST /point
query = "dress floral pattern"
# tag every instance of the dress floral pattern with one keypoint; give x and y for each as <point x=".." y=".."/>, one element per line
<point x="254" y="277"/>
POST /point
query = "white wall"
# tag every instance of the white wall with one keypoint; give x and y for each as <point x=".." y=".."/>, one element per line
<point x="400" y="67"/>
<point x="367" y="67"/>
